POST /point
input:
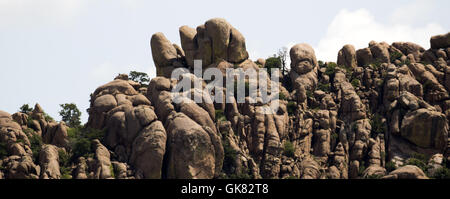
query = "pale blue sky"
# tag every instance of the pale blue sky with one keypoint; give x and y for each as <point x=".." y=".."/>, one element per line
<point x="60" y="51"/>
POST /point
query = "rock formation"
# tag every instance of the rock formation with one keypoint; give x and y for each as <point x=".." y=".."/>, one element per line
<point x="379" y="112"/>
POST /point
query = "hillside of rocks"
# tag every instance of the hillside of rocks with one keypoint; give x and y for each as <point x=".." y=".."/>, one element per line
<point x="379" y="112"/>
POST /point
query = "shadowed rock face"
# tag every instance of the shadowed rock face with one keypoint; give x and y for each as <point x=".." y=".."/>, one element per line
<point x="373" y="114"/>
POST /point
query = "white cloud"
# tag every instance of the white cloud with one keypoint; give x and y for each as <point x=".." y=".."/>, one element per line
<point x="26" y="13"/>
<point x="360" y="27"/>
<point x="417" y="11"/>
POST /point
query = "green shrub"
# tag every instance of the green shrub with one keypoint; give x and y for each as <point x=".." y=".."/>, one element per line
<point x="66" y="176"/>
<point x="81" y="147"/>
<point x="19" y="140"/>
<point x="230" y="156"/>
<point x="355" y="83"/>
<point x="390" y="166"/>
<point x="3" y="150"/>
<point x="348" y="71"/>
<point x="64" y="164"/>
<point x="377" y="124"/>
<point x="376" y="64"/>
<point x="63" y="158"/>
<point x="321" y="63"/>
<point x="420" y="156"/>
<point x="309" y="94"/>
<point x="80" y="140"/>
<point x="288" y="150"/>
<point x="244" y="174"/>
<point x="220" y="115"/>
<point x="92" y="133"/>
<point x="324" y="87"/>
<point x="36" y="146"/>
<point x="70" y="114"/>
<point x="334" y="136"/>
<point x="425" y="63"/>
<point x="25" y="108"/>
<point x="48" y="118"/>
<point x="291" y="107"/>
<point x="417" y="162"/>
<point x="73" y="132"/>
<point x="28" y="131"/>
<point x="30" y="122"/>
<point x="406" y="62"/>
<point x="395" y="55"/>
<point x="442" y="173"/>
<point x="281" y="96"/>
<point x="111" y="169"/>
<point x="362" y="168"/>
<point x="272" y="62"/>
<point x="140" y="77"/>
<point x="330" y="68"/>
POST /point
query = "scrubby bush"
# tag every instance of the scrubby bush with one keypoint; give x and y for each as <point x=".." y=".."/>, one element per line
<point x="406" y="62"/>
<point x="281" y="96"/>
<point x="80" y="141"/>
<point x="113" y="172"/>
<point x="291" y="107"/>
<point x="362" y="168"/>
<point x="288" y="150"/>
<point x="3" y="150"/>
<point x="230" y="156"/>
<point x="395" y="55"/>
<point x="334" y="136"/>
<point x="355" y="83"/>
<point x="48" y="118"/>
<point x="321" y="63"/>
<point x="139" y="77"/>
<point x="390" y="166"/>
<point x="244" y="174"/>
<point x="442" y="173"/>
<point x="25" y="108"/>
<point x="330" y="68"/>
<point x="64" y="164"/>
<point x="309" y="94"/>
<point x="92" y="134"/>
<point x="376" y="64"/>
<point x="377" y="125"/>
<point x="30" y="122"/>
<point x="36" y="145"/>
<point x="81" y="147"/>
<point x="420" y="156"/>
<point x="323" y="87"/>
<point x="220" y="116"/>
<point x="417" y="162"/>
<point x="273" y="63"/>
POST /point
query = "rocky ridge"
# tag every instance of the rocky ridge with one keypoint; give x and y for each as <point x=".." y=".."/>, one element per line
<point x="379" y="112"/>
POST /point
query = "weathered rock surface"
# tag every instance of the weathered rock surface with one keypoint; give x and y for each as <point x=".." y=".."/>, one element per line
<point x="379" y="112"/>
<point x="407" y="172"/>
